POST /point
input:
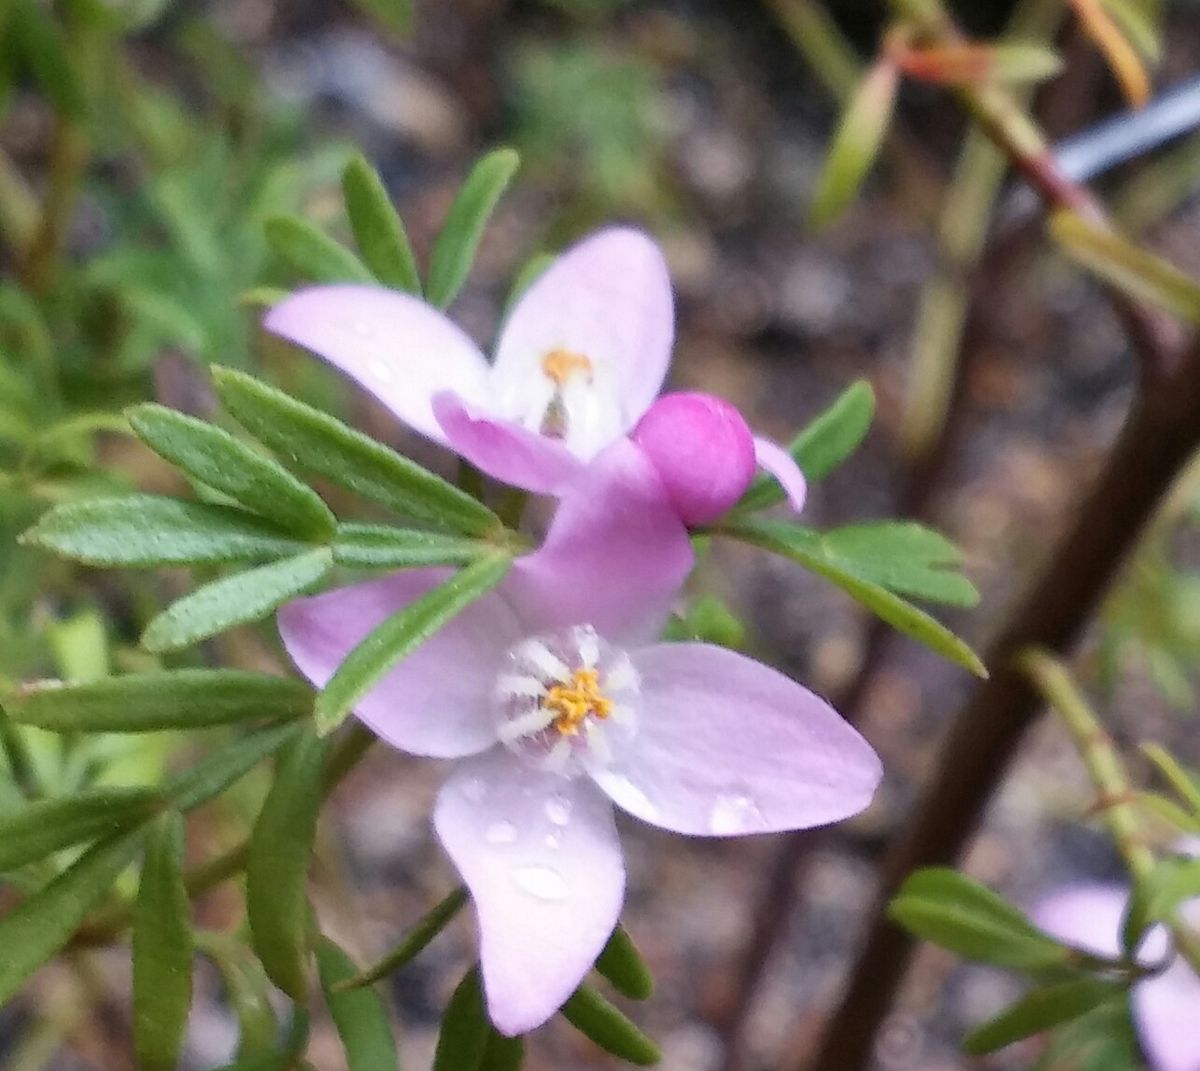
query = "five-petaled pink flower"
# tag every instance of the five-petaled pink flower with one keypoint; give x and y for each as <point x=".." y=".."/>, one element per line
<point x="558" y="701"/>
<point x="580" y="359"/>
<point x="1166" y="1006"/>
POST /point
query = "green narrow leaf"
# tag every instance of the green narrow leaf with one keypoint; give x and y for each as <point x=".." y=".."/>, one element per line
<point x="903" y="557"/>
<point x="40" y="828"/>
<point x="414" y="943"/>
<point x="359" y="1014"/>
<point x="463" y="1038"/>
<point x="318" y="443"/>
<point x="1040" y="1010"/>
<point x="823" y="445"/>
<point x="161" y="699"/>
<point x="1123" y="265"/>
<point x="454" y="250"/>
<point x="284" y="1058"/>
<point x="277" y="866"/>
<point x="1185" y="784"/>
<point x="803" y="545"/>
<point x="622" y="964"/>
<point x="378" y="229"/>
<point x="235" y="600"/>
<point x="218" y="460"/>
<point x="37" y="928"/>
<point x="162" y="949"/>
<point x="501" y="1053"/>
<point x="379" y="546"/>
<point x="589" y="1013"/>
<point x="856" y="142"/>
<point x="400" y="634"/>
<point x="312" y="254"/>
<point x="949" y="909"/>
<point x="216" y="772"/>
<point x="146" y="530"/>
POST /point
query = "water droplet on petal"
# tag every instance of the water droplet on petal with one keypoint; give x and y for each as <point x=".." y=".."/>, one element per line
<point x="544" y="882"/>
<point x="558" y="810"/>
<point x="501" y="833"/>
<point x="474" y="790"/>
<point x="733" y="814"/>
<point x="381" y="370"/>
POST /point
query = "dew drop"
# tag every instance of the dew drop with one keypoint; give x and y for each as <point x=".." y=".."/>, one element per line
<point x="381" y="370"/>
<point x="473" y="790"/>
<point x="543" y="882"/>
<point x="558" y="810"/>
<point x="733" y="814"/>
<point x="501" y="833"/>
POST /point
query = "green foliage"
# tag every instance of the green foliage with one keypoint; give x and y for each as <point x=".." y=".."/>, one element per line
<point x="277" y="866"/>
<point x="459" y="237"/>
<point x="311" y="254"/>
<point x="166" y="699"/>
<point x="808" y="547"/>
<point x="359" y="1014"/>
<point x="622" y="965"/>
<point x="162" y="949"/>
<point x="951" y="910"/>
<point x="378" y="229"/>
<point x="378" y="546"/>
<point x="1040" y="1010"/>
<point x="600" y="1022"/>
<point x="463" y="1039"/>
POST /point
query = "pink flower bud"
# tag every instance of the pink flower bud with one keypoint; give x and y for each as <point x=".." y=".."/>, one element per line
<point x="703" y="451"/>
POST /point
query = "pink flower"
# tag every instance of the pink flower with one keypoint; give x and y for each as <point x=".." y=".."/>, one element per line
<point x="1166" y="1005"/>
<point x="557" y="701"/>
<point x="580" y="359"/>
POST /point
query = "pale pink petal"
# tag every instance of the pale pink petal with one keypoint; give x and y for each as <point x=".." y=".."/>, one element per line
<point x="437" y="701"/>
<point x="1086" y="916"/>
<point x="615" y="556"/>
<point x="540" y="856"/>
<point x="1166" y="1009"/>
<point x="504" y="449"/>
<point x="400" y="349"/>
<point x="608" y="299"/>
<point x="780" y="464"/>
<point x="726" y="746"/>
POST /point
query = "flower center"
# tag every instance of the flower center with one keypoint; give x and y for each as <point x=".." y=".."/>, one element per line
<point x="565" y="699"/>
<point x="561" y="365"/>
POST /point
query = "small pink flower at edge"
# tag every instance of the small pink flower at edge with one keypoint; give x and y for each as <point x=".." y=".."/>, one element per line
<point x="557" y="701"/>
<point x="1165" y="1006"/>
<point x="578" y="363"/>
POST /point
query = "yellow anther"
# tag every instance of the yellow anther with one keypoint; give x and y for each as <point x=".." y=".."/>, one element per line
<point x="561" y="365"/>
<point x="577" y="700"/>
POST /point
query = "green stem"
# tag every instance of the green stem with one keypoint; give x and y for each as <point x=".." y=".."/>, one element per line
<point x="1116" y="796"/>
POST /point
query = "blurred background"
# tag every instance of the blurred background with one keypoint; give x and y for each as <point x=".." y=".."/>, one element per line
<point x="161" y="142"/>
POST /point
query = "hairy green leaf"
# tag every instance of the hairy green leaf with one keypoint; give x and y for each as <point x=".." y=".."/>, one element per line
<point x="318" y="443"/>
<point x="312" y="254"/>
<point x="805" y="546"/>
<point x="377" y="227"/>
<point x="359" y="1014"/>
<point x="949" y="909"/>
<point x="162" y="949"/>
<point x="213" y="774"/>
<point x="43" y="827"/>
<point x="235" y="600"/>
<point x="218" y="460"/>
<point x="598" y="1020"/>
<point x="146" y="530"/>
<point x="454" y="250"/>
<point x="622" y="964"/>
<point x="379" y="546"/>
<point x="160" y="699"/>
<point x="41" y="925"/>
<point x="1040" y="1010"/>
<point x="398" y="635"/>
<point x="277" y="866"/>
